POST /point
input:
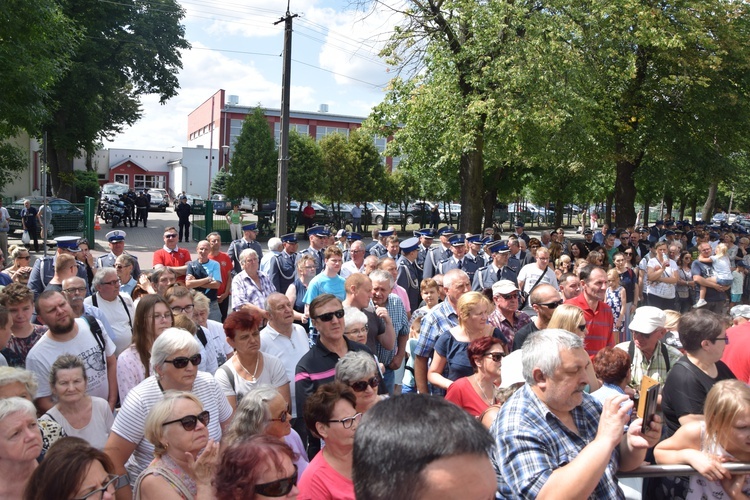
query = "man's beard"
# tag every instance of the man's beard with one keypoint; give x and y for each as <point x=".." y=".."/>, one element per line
<point x="62" y="328"/>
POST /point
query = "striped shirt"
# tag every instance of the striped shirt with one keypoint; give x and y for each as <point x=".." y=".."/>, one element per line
<point x="439" y="320"/>
<point x="131" y="418"/>
<point x="245" y="291"/>
<point x="397" y="312"/>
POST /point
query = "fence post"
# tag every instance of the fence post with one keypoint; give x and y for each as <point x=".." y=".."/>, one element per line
<point x="209" y="214"/>
<point x="89" y="212"/>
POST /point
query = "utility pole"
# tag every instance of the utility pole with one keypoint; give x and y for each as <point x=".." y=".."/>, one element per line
<point x="286" y="75"/>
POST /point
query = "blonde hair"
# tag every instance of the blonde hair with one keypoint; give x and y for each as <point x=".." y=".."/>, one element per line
<point x="468" y="301"/>
<point x="614" y="275"/>
<point x="564" y="259"/>
<point x="567" y="317"/>
<point x="724" y="402"/>
<point x="673" y="318"/>
<point x="160" y="413"/>
<point x="721" y="250"/>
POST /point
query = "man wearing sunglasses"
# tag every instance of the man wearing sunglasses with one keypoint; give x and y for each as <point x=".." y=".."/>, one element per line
<point x="544" y="300"/>
<point x="506" y="317"/>
<point x="44" y="268"/>
<point x="172" y="256"/>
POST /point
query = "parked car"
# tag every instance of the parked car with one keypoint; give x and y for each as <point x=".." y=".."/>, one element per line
<point x="66" y="217"/>
<point x="417" y="212"/>
<point x="452" y="210"/>
<point x="500" y="213"/>
<point x="719" y="218"/>
<point x="531" y="212"/>
<point x="164" y="194"/>
<point x="377" y="213"/>
<point x="158" y="202"/>
<point x="221" y="204"/>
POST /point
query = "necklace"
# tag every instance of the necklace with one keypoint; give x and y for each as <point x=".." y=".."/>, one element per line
<point x="252" y="375"/>
<point x="484" y="394"/>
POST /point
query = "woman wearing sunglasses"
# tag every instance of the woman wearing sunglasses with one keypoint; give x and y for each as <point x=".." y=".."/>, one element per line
<point x="184" y="456"/>
<point x="175" y="357"/>
<point x="255" y="468"/>
<point x="21" y="258"/>
<point x="73" y="469"/>
<point x="265" y="411"/>
<point x="359" y="371"/>
<point x="476" y="393"/>
<point x="331" y="415"/>
<point x="570" y="318"/>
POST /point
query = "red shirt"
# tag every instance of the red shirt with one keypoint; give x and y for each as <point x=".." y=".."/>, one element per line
<point x="737" y="351"/>
<point x="178" y="258"/>
<point x="308" y="212"/>
<point x="599" y="324"/>
<point x="462" y="394"/>
<point x="226" y="266"/>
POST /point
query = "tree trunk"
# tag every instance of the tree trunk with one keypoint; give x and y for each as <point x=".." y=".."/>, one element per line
<point x="61" y="173"/>
<point x="694" y="207"/>
<point x="683" y="205"/>
<point x="488" y="201"/>
<point x="559" y="212"/>
<point x="646" y="210"/>
<point x="708" y="207"/>
<point x="608" y="209"/>
<point x="471" y="174"/>
<point x="625" y="189"/>
<point x="668" y="204"/>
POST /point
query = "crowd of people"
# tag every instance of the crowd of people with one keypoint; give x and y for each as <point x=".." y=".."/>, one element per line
<point x="234" y="375"/>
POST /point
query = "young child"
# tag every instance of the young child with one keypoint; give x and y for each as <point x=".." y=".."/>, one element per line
<point x="408" y="384"/>
<point x="738" y="283"/>
<point x="615" y="299"/>
<point x="707" y="444"/>
<point x="722" y="271"/>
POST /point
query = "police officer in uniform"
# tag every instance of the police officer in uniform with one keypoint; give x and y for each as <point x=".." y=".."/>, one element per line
<point x="247" y="241"/>
<point x="498" y="270"/>
<point x="379" y="249"/>
<point x="44" y="268"/>
<point x="425" y="236"/>
<point x="520" y="231"/>
<point x="458" y="260"/>
<point x="116" y="241"/>
<point x="588" y="240"/>
<point x="438" y="254"/>
<point x="408" y="273"/>
<point x="318" y="241"/>
<point x="283" y="270"/>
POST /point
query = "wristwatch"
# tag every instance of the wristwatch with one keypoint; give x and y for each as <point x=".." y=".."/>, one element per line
<point x="122" y="481"/>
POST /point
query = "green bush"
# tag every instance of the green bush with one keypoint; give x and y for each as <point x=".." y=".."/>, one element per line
<point x="87" y="184"/>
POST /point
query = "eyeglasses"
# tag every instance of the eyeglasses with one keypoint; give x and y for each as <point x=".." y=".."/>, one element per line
<point x="326" y="317"/>
<point x="158" y="317"/>
<point x="278" y="488"/>
<point x="510" y="296"/>
<point x="724" y="339"/>
<point x="121" y="266"/>
<point x="283" y="418"/>
<point x="183" y="361"/>
<point x="355" y="331"/>
<point x="496" y="356"/>
<point x="348" y="421"/>
<point x="75" y="290"/>
<point x="107" y="485"/>
<point x="170" y="236"/>
<point x="24" y="257"/>
<point x="552" y="305"/>
<point x="113" y="282"/>
<point x="361" y="385"/>
<point x="180" y="310"/>
<point x="581" y="328"/>
<point x="189" y="422"/>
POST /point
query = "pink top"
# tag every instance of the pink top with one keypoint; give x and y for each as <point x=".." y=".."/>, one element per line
<point x="130" y="371"/>
<point x="320" y="481"/>
<point x="461" y="393"/>
<point x="400" y="292"/>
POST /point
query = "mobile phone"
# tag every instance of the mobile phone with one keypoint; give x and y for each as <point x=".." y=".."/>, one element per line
<point x="652" y="395"/>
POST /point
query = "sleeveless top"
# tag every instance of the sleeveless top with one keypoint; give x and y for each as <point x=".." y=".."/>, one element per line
<point x="700" y="487"/>
<point x="173" y="474"/>
<point x="299" y="301"/>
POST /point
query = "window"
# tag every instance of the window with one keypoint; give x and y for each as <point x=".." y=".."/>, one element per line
<point x="324" y="131"/>
<point x="122" y="178"/>
<point x="301" y="130"/>
<point x="149" y="182"/>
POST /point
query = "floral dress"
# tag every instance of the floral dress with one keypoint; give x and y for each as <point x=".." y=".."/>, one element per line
<point x="18" y="348"/>
<point x="614" y="302"/>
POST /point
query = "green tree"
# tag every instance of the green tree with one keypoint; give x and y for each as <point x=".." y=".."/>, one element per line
<point x="253" y="165"/>
<point x="221" y="180"/>
<point x="12" y="163"/>
<point x="305" y="177"/>
<point x="130" y="48"/>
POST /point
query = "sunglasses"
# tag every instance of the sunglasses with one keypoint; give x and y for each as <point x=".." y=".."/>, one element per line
<point x="278" y="488"/>
<point x="283" y="418"/>
<point x="348" y="421"/>
<point x="552" y="305"/>
<point x="326" y="317"/>
<point x="361" y="385"/>
<point x="170" y="236"/>
<point x="581" y="328"/>
<point x="182" y="361"/>
<point x="628" y="253"/>
<point x="496" y="356"/>
<point x="510" y="296"/>
<point x="26" y="257"/>
<point x="189" y="422"/>
<point x="120" y="266"/>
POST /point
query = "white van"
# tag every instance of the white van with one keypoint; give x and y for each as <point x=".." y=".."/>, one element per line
<point x="113" y="190"/>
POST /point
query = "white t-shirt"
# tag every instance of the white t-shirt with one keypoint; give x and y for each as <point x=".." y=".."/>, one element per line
<point x="85" y="346"/>
<point x="96" y="431"/>
<point x="121" y="323"/>
<point x="289" y="351"/>
<point x="273" y="373"/>
<point x="3" y="361"/>
<point x="350" y="268"/>
<point x="531" y="272"/>
<point x="663" y="290"/>
<point x="218" y="341"/>
<point x="131" y="418"/>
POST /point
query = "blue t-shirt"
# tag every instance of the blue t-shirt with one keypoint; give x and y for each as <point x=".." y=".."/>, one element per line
<point x="456" y="355"/>
<point x="323" y="284"/>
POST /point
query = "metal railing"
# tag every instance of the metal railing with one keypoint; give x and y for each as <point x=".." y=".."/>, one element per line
<point x="678" y="470"/>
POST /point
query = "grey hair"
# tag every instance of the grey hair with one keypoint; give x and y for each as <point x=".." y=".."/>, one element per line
<point x="451" y="275"/>
<point x="246" y="253"/>
<point x="101" y="274"/>
<point x="353" y="316"/>
<point x="380" y="276"/>
<point x="542" y="350"/>
<point x="275" y="244"/>
<point x="354" y="366"/>
<point x="170" y="341"/>
<point x="125" y="259"/>
<point x="9" y="374"/>
<point x="9" y="406"/>
<point x="253" y="413"/>
<point x="200" y="301"/>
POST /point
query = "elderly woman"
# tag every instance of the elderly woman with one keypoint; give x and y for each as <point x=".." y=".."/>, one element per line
<point x="252" y="286"/>
<point x="355" y="325"/>
<point x="612" y="367"/>
<point x="174" y="363"/>
<point x="306" y="271"/>
<point x="256" y="468"/>
<point x="20" y="383"/>
<point x="73" y="469"/>
<point x="249" y="367"/>
<point x="184" y="456"/>
<point x="331" y="415"/>
<point x="216" y="339"/>
<point x="265" y="411"/>
<point x="473" y="309"/>
<point x="570" y="318"/>
<point x="359" y="370"/>
<point x="19" y="300"/>
<point x="79" y="414"/>
<point x="124" y="266"/>
<point x="152" y="317"/>
<point x="20" y="445"/>
<point x="476" y="393"/>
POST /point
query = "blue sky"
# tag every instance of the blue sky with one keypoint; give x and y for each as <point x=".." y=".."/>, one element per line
<point x="236" y="46"/>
